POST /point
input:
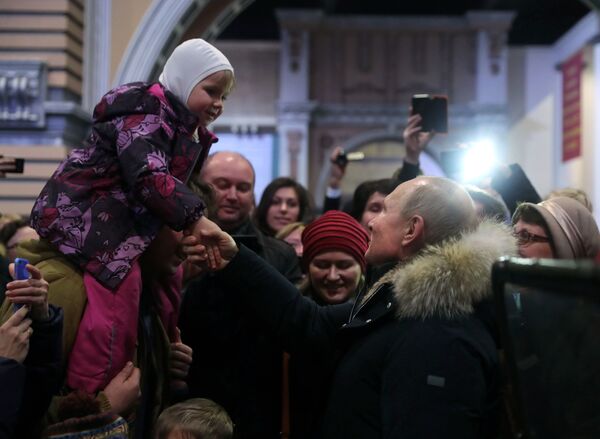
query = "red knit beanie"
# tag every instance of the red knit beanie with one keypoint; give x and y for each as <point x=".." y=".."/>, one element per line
<point x="335" y="230"/>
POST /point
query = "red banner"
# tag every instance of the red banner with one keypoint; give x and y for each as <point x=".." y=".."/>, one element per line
<point x="571" y="102"/>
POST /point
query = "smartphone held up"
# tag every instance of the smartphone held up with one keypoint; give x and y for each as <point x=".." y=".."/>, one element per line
<point x="21" y="273"/>
<point x="433" y="110"/>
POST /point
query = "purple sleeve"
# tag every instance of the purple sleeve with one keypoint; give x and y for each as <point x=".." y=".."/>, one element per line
<point x="144" y="149"/>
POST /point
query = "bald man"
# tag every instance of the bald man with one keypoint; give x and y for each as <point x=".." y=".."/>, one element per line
<point x="416" y="358"/>
<point x="231" y="177"/>
<point x="235" y="362"/>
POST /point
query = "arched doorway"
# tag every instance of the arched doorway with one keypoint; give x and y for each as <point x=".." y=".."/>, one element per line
<point x="383" y="152"/>
<point x="164" y="25"/>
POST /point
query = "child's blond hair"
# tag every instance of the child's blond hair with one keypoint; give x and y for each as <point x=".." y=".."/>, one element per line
<point x="196" y="418"/>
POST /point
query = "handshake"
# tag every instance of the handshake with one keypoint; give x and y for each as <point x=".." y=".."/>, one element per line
<point x="207" y="246"/>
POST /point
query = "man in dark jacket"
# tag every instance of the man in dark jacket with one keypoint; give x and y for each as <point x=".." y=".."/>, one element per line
<point x="236" y="362"/>
<point x="416" y="360"/>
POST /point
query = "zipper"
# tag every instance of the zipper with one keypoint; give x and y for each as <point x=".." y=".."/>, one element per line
<point x="363" y="304"/>
<point x="196" y="158"/>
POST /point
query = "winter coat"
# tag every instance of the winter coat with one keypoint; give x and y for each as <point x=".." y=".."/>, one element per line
<point x="156" y="323"/>
<point x="106" y="201"/>
<point x="310" y="375"/>
<point x="514" y="189"/>
<point x="28" y="388"/>
<point x="236" y="362"/>
<point x="415" y="359"/>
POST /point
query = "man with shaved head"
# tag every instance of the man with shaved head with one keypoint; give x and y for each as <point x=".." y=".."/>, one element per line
<point x="231" y="177"/>
<point x="235" y="361"/>
<point x="415" y="358"/>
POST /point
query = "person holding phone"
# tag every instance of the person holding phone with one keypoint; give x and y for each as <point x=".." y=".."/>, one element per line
<point x="433" y="110"/>
<point x="415" y="142"/>
<point x="30" y="355"/>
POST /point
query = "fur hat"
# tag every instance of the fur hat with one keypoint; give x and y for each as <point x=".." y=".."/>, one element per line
<point x="80" y="416"/>
<point x="335" y="230"/>
<point x="100" y="426"/>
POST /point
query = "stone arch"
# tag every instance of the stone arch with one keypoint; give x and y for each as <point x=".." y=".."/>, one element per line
<point x="429" y="163"/>
<point x="163" y="26"/>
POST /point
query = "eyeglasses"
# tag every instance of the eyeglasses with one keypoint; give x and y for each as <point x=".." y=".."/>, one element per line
<point x="525" y="238"/>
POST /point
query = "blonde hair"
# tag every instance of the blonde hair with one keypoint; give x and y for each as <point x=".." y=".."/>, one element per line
<point x="227" y="81"/>
<point x="289" y="229"/>
<point x="196" y="418"/>
<point x="576" y="194"/>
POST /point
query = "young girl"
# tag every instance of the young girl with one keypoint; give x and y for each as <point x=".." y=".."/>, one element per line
<point x="107" y="201"/>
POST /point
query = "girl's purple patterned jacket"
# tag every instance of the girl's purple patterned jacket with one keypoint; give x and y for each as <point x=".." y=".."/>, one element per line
<point x="106" y="201"/>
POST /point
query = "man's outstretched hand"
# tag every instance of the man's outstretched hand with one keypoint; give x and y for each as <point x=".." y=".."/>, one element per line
<point x="208" y="246"/>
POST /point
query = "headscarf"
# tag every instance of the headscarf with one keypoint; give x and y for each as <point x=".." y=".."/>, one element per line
<point x="572" y="227"/>
<point x="191" y="62"/>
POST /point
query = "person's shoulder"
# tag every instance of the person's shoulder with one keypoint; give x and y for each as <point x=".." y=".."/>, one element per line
<point x="278" y="247"/>
<point x="132" y="99"/>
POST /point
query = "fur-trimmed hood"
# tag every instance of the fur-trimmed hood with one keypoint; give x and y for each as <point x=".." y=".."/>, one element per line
<point x="446" y="280"/>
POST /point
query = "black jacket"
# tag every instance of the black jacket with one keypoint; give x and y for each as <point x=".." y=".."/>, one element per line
<point x="27" y="388"/>
<point x="413" y="358"/>
<point x="236" y="362"/>
<point x="514" y="189"/>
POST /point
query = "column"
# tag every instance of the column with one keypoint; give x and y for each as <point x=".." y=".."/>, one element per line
<point x="295" y="107"/>
<point x="41" y="71"/>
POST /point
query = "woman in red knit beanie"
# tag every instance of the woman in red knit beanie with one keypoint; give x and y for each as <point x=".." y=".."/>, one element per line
<point x="333" y="258"/>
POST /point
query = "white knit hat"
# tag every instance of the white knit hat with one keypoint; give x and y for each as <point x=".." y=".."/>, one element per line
<point x="191" y="62"/>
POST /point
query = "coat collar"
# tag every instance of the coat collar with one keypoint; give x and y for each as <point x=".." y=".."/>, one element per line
<point x="448" y="279"/>
<point x="180" y="111"/>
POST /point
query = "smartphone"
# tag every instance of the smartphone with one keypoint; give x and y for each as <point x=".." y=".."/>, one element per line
<point x="12" y="165"/>
<point x="21" y="273"/>
<point x="433" y="110"/>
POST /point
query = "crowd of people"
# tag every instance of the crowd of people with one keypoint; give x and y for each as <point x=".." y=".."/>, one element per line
<point x="164" y="301"/>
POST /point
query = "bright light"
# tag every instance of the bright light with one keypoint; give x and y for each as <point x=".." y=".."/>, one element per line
<point x="479" y="160"/>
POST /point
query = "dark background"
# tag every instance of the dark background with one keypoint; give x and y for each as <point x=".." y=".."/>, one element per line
<point x="537" y="21"/>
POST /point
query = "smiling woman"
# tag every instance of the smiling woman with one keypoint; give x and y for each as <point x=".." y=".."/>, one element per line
<point x="283" y="201"/>
<point x="560" y="228"/>
<point x="334" y="258"/>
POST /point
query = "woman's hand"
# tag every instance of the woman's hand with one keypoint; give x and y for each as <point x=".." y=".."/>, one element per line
<point x="32" y="292"/>
<point x="15" y="335"/>
<point x="179" y="362"/>
<point x="123" y="390"/>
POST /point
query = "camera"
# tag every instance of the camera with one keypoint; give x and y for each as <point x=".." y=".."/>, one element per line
<point x="11" y="164"/>
<point x="343" y="158"/>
